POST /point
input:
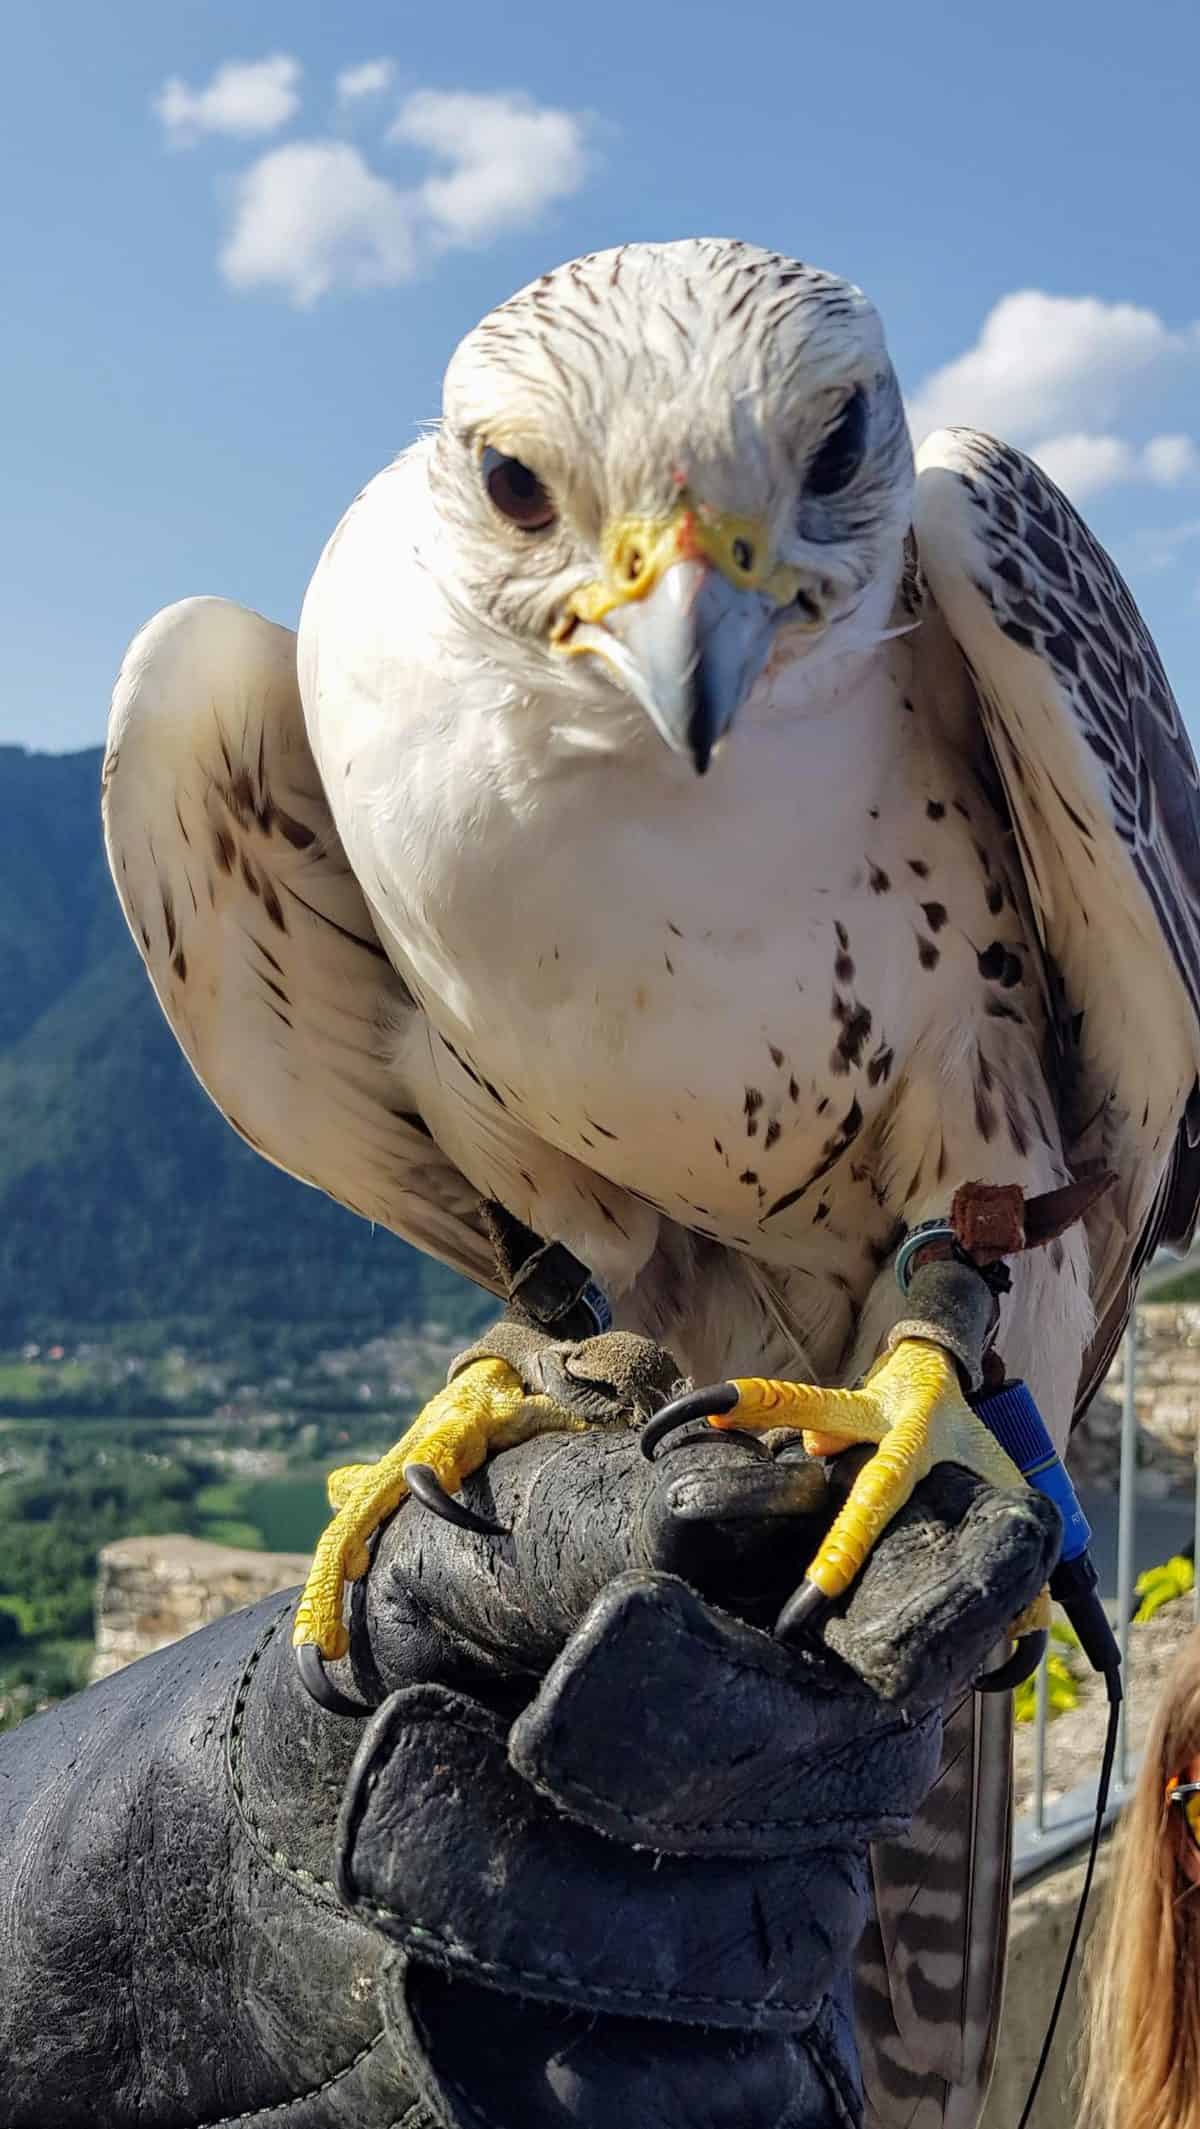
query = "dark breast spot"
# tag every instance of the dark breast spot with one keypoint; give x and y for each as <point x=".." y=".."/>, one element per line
<point x="998" y="964"/>
<point x="927" y="953"/>
<point x="855" y="1023"/>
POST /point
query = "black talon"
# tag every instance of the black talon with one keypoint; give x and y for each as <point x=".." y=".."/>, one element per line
<point x="1018" y="1667"/>
<point x="320" y="1687"/>
<point x="694" y="1404"/>
<point x="803" y="1607"/>
<point x="425" y="1486"/>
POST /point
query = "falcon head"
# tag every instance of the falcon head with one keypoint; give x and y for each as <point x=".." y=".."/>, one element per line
<point x="658" y="463"/>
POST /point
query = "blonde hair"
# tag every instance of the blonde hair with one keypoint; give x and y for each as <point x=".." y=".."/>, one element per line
<point x="1141" y="2036"/>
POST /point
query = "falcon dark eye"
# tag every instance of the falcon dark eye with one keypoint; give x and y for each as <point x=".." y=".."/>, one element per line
<point x="843" y="450"/>
<point x="517" y="493"/>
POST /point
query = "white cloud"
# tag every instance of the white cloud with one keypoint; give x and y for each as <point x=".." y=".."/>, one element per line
<point x="508" y="158"/>
<point x="369" y="79"/>
<point x="1042" y="361"/>
<point x="311" y="217"/>
<point x="1083" y="463"/>
<point x="1056" y="374"/>
<point x="244" y="97"/>
<point x="1171" y="459"/>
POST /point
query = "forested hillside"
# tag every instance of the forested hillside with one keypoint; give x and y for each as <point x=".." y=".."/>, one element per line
<point x="124" y="1196"/>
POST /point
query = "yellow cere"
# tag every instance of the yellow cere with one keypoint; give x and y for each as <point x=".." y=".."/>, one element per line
<point x="639" y="550"/>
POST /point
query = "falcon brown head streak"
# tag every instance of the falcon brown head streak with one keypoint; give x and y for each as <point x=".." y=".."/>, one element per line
<point x="662" y="459"/>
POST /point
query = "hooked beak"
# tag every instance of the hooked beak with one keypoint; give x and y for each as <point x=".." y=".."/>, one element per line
<point x="692" y="652"/>
<point x="685" y="617"/>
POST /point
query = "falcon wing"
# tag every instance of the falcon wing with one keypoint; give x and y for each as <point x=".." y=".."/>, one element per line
<point x="254" y="930"/>
<point x="1104" y="795"/>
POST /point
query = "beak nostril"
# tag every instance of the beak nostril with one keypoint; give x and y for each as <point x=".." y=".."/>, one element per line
<point x="743" y="555"/>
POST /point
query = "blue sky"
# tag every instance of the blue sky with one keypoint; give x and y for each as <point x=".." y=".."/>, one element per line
<point x="229" y="296"/>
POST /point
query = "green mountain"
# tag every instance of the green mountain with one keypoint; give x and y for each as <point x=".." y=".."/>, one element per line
<point x="124" y="1196"/>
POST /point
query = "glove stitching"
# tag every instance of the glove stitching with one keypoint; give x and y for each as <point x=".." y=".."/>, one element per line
<point x="283" y="2106"/>
<point x="569" y="1786"/>
<point x="321" y="1891"/>
<point x="850" y="1821"/>
<point x="418" y="1936"/>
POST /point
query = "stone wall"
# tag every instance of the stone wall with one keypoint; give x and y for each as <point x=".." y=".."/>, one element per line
<point x="1043" y="1915"/>
<point x="1167" y="1397"/>
<point x="152" y="1591"/>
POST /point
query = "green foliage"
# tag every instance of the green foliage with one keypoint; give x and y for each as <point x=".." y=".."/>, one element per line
<point x="1063" y="1673"/>
<point x="124" y="1195"/>
<point x="1185" y="1288"/>
<point x="43" y="1672"/>
<point x="54" y="1523"/>
<point x="75" y="1492"/>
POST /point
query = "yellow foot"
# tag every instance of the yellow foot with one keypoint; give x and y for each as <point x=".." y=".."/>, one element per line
<point x="483" y="1410"/>
<point x="912" y="1405"/>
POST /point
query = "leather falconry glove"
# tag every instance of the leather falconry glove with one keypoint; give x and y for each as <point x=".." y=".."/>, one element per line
<point x="601" y="1848"/>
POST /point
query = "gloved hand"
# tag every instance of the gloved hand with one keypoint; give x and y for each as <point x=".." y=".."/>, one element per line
<point x="602" y="1848"/>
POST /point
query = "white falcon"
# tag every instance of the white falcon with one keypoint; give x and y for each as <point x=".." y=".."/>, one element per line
<point x="681" y="823"/>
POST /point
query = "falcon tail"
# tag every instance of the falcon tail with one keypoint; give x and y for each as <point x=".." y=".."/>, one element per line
<point x="930" y="1977"/>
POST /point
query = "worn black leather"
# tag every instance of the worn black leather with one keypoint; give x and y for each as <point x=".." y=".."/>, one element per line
<point x="600" y="1853"/>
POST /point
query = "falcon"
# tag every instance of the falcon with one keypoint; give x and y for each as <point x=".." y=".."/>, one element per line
<point x="687" y="824"/>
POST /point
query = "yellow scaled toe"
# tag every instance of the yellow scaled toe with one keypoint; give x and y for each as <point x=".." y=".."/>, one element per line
<point x="341" y="1483"/>
<point x="483" y="1410"/>
<point x="911" y="1405"/>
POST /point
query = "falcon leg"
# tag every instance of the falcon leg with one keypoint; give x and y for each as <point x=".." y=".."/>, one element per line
<point x="913" y="1407"/>
<point x="485" y="1409"/>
